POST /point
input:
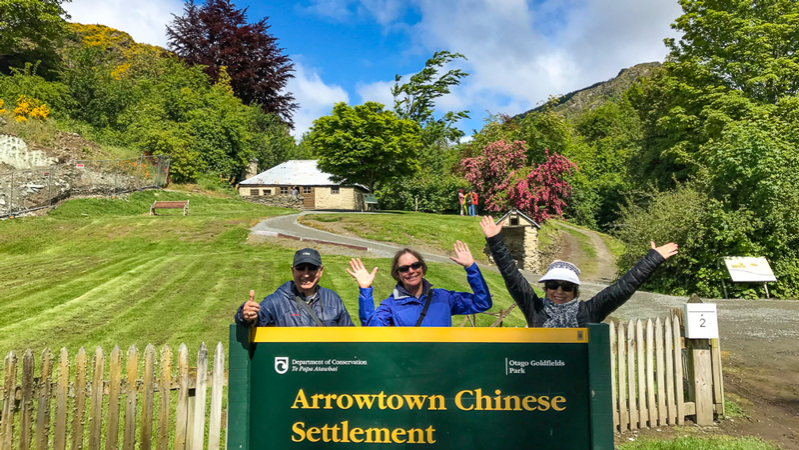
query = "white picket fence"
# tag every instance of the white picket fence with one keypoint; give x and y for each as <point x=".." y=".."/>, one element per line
<point x="657" y="380"/>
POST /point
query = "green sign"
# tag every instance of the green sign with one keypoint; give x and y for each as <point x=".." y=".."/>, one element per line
<point x="448" y="388"/>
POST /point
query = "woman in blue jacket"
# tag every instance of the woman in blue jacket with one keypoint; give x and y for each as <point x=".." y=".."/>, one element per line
<point x="414" y="302"/>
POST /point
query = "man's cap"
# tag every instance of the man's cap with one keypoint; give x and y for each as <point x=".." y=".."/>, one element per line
<point x="562" y="271"/>
<point x="307" y="256"/>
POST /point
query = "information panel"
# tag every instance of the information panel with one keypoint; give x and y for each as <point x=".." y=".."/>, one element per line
<point x="447" y="388"/>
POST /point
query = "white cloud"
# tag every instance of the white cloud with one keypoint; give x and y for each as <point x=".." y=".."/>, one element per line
<point x="145" y="22"/>
<point x="520" y="52"/>
<point x="316" y="98"/>
<point x="379" y="91"/>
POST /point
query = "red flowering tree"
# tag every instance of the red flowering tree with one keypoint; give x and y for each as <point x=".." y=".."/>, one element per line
<point x="501" y="178"/>
<point x="491" y="171"/>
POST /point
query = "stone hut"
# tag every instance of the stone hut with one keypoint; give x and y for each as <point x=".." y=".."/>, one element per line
<point x="520" y="233"/>
<point x="315" y="188"/>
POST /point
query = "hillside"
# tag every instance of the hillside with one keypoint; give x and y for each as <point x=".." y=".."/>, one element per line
<point x="573" y="103"/>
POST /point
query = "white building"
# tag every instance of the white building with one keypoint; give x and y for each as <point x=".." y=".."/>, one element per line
<point x="316" y="188"/>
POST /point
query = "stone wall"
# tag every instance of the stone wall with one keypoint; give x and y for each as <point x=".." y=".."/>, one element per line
<point x="279" y="200"/>
<point x="347" y="198"/>
<point x="522" y="242"/>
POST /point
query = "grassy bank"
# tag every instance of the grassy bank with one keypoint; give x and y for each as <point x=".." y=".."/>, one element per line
<point x="695" y="443"/>
<point x="103" y="272"/>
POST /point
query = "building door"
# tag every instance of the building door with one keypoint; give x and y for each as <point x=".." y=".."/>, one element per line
<point x="309" y="201"/>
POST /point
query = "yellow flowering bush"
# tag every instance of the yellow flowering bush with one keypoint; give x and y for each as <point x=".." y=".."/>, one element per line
<point x="2" y="110"/>
<point x="30" y="108"/>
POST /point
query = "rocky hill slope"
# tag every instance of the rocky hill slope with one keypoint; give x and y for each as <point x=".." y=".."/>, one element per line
<point x="574" y="103"/>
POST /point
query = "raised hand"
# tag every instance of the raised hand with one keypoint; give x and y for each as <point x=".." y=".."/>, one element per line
<point x="665" y="251"/>
<point x="490" y="229"/>
<point x="361" y="275"/>
<point x="250" y="310"/>
<point x="462" y="254"/>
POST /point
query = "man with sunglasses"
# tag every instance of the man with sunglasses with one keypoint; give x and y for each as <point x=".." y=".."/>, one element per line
<point x="561" y="307"/>
<point x="298" y="303"/>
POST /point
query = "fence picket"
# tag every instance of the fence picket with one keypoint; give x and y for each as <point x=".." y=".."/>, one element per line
<point x="650" y="374"/>
<point x="718" y="379"/>
<point x="146" y="436"/>
<point x="624" y="418"/>
<point x="631" y="375"/>
<point x="660" y="369"/>
<point x="164" y="386"/>
<point x="643" y="412"/>
<point x="60" y="437"/>
<point x="181" y="414"/>
<point x="614" y="397"/>
<point x="26" y="405"/>
<point x="129" y="433"/>
<point x="114" y="389"/>
<point x="199" y="396"/>
<point x="79" y="407"/>
<point x="43" y="412"/>
<point x="96" y="400"/>
<point x="7" y="426"/>
<point x="678" y="370"/>
<point x="215" y="421"/>
<point x="668" y="341"/>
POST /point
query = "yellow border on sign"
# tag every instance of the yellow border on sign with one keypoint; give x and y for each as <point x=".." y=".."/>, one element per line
<point x="426" y="334"/>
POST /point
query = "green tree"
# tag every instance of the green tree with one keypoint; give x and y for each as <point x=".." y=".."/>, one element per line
<point x="415" y="100"/>
<point x="30" y="24"/>
<point x="366" y="144"/>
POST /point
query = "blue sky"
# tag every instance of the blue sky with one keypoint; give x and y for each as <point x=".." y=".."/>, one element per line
<point x="519" y="52"/>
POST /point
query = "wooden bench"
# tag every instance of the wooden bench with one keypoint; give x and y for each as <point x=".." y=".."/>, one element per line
<point x="170" y="205"/>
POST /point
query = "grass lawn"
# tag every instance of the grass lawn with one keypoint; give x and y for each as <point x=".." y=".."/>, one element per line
<point x="695" y="443"/>
<point x="408" y="228"/>
<point x="103" y="272"/>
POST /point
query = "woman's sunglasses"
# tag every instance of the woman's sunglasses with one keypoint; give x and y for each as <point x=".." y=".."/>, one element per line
<point x="554" y="285"/>
<point x="415" y="266"/>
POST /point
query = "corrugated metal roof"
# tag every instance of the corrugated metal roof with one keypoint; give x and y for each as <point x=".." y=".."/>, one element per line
<point x="293" y="173"/>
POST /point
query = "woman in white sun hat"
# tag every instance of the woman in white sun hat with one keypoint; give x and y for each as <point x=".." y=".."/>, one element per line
<point x="561" y="307"/>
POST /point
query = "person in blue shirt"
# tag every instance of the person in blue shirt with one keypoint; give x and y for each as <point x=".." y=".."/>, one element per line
<point x="414" y="302"/>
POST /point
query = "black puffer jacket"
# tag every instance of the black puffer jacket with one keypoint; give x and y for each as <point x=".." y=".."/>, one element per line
<point x="594" y="310"/>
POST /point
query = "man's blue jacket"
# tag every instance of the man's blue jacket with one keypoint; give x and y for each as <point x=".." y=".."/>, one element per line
<point x="280" y="309"/>
<point x="401" y="309"/>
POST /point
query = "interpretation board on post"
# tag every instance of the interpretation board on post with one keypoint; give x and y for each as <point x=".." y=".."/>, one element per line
<point x="475" y="388"/>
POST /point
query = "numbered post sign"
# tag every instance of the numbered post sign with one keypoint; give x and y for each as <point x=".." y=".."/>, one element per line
<point x="701" y="321"/>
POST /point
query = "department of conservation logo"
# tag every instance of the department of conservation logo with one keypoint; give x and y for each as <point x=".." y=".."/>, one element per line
<point x="281" y="364"/>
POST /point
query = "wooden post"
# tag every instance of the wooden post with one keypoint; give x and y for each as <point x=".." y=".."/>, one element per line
<point x="643" y="412"/>
<point x="96" y="402"/>
<point x="129" y="432"/>
<point x="146" y="436"/>
<point x="631" y="375"/>
<point x="164" y="394"/>
<point x="79" y="408"/>
<point x="60" y="438"/>
<point x="9" y="395"/>
<point x="114" y="389"/>
<point x="614" y="398"/>
<point x="718" y="379"/>
<point x="182" y="412"/>
<point x="678" y="370"/>
<point x="26" y="405"/>
<point x="701" y="375"/>
<point x="624" y="418"/>
<point x="215" y="421"/>
<point x="43" y="412"/>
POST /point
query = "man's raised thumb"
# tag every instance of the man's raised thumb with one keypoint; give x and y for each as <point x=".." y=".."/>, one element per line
<point x="252" y="295"/>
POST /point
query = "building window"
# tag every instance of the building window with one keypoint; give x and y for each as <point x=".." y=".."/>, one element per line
<point x="253" y="191"/>
<point x="284" y="190"/>
<point x="334" y="190"/>
<point x="306" y="189"/>
<point x="267" y="192"/>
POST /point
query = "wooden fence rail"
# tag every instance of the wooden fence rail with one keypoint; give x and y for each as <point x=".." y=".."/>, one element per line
<point x="50" y="411"/>
<point x="651" y="385"/>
